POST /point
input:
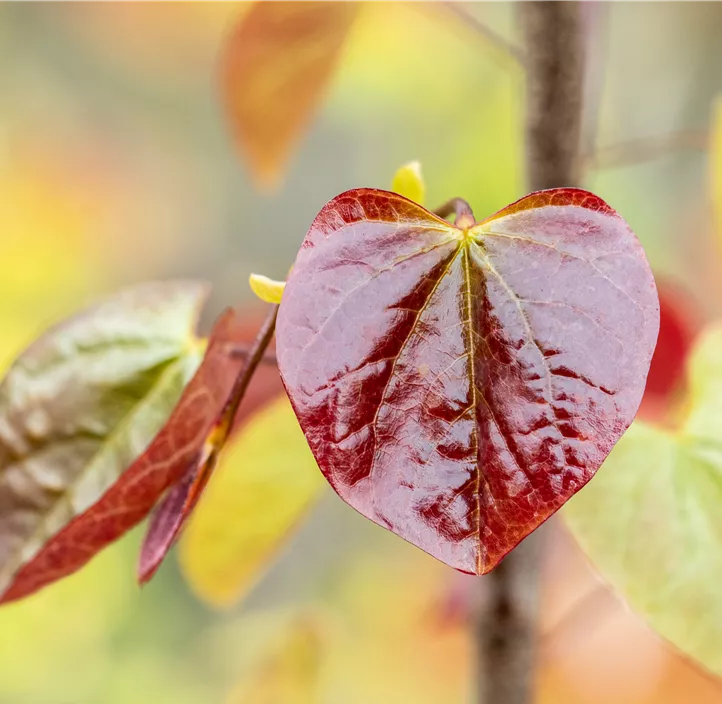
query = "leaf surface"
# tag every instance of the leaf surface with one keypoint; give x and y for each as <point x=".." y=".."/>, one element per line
<point x="651" y="520"/>
<point x="278" y="63"/>
<point x="458" y="386"/>
<point x="125" y="469"/>
<point x="265" y="484"/>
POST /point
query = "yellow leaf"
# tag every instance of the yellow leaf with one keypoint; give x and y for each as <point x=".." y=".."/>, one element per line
<point x="289" y="672"/>
<point x="409" y="182"/>
<point x="266" y="481"/>
<point x="266" y="289"/>
<point x="716" y="163"/>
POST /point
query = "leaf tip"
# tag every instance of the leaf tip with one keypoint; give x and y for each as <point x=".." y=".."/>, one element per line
<point x="409" y="182"/>
<point x="268" y="290"/>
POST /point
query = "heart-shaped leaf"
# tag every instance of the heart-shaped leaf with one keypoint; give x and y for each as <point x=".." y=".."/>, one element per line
<point x="651" y="521"/>
<point x="78" y="409"/>
<point x="457" y="386"/>
<point x="278" y="63"/>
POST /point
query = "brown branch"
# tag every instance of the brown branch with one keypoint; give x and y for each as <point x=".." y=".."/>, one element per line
<point x="255" y="355"/>
<point x="488" y="35"/>
<point x="637" y="151"/>
<point x="506" y="622"/>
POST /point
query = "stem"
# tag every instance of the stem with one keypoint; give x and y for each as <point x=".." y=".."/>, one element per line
<point x="255" y="355"/>
<point x="555" y="68"/>
<point x="637" y="151"/>
<point x="488" y="35"/>
<point x="506" y="622"/>
<point x="459" y="207"/>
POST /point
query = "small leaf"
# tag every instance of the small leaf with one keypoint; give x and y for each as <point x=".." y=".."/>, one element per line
<point x="277" y="66"/>
<point x="409" y="182"/>
<point x="651" y="521"/>
<point x="269" y="478"/>
<point x="73" y="520"/>
<point x="457" y="386"/>
<point x="716" y="163"/>
<point x="266" y="289"/>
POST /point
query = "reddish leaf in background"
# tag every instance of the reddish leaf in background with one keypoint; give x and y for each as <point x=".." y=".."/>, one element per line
<point x="279" y="61"/>
<point x="680" y="320"/>
<point x="167" y="459"/>
<point x="458" y="386"/>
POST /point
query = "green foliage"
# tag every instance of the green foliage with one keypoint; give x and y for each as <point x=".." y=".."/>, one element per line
<point x="651" y="521"/>
<point x="82" y="402"/>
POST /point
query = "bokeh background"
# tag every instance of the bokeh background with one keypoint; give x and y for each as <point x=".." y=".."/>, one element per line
<point x="117" y="166"/>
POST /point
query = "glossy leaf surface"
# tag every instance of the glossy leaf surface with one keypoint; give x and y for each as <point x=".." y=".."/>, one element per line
<point x="108" y="503"/>
<point x="276" y="69"/>
<point x="265" y="484"/>
<point x="651" y="520"/>
<point x="458" y="386"/>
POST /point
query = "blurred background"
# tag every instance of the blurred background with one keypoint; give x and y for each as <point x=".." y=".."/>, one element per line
<point x="117" y="166"/>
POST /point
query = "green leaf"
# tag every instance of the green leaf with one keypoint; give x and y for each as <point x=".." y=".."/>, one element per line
<point x="651" y="520"/>
<point x="82" y="403"/>
<point x="265" y="484"/>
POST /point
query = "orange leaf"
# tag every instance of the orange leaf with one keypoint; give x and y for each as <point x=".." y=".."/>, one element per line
<point x="277" y="66"/>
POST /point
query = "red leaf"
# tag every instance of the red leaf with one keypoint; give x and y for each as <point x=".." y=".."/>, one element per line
<point x="458" y="386"/>
<point x="680" y="320"/>
<point x="164" y="462"/>
<point x="171" y="514"/>
<point x="278" y="63"/>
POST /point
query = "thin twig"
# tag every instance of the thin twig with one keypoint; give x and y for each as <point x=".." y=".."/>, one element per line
<point x="637" y="151"/>
<point x="255" y="355"/>
<point x="488" y="35"/>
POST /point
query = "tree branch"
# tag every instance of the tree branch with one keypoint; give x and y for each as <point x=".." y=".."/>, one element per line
<point x="506" y="624"/>
<point x="488" y="35"/>
<point x="637" y="151"/>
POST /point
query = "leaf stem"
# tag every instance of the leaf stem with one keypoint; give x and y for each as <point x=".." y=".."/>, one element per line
<point x="459" y="207"/>
<point x="255" y="355"/>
